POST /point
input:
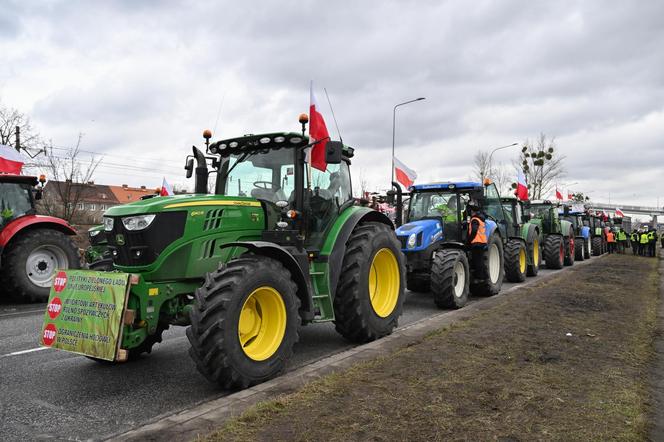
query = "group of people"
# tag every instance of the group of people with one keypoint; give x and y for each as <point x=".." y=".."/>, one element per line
<point x="644" y="241"/>
<point x="616" y="241"/>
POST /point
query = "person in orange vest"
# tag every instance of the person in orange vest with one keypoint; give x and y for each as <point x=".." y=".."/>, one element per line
<point x="477" y="239"/>
<point x="611" y="241"/>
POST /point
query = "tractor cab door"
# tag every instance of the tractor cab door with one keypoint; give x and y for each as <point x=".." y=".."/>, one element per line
<point x="494" y="210"/>
<point x="329" y="192"/>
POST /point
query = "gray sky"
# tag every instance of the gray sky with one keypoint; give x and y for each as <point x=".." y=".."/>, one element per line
<point x="142" y="80"/>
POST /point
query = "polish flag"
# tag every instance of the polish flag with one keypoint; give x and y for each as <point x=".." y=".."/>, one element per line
<point x="404" y="175"/>
<point x="619" y="213"/>
<point x="166" y="189"/>
<point x="10" y="160"/>
<point x="559" y="195"/>
<point x="521" y="187"/>
<point x="570" y="196"/>
<point x="317" y="131"/>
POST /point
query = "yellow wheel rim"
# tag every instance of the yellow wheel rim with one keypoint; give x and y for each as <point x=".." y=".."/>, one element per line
<point x="384" y="282"/>
<point x="535" y="252"/>
<point x="522" y="260"/>
<point x="262" y="323"/>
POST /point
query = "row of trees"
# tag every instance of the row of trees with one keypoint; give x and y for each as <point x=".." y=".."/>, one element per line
<point x="65" y="166"/>
<point x="539" y="160"/>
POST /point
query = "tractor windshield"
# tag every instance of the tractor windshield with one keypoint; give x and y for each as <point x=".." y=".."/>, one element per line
<point x="432" y="205"/>
<point x="15" y="201"/>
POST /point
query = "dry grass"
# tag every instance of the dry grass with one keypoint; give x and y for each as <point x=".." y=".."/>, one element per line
<point x="510" y="373"/>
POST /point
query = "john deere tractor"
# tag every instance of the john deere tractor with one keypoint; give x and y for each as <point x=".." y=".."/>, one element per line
<point x="519" y="225"/>
<point x="557" y="235"/>
<point x="274" y="245"/>
<point x="434" y="240"/>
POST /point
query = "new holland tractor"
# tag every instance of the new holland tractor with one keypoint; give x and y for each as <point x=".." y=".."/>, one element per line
<point x="434" y="241"/>
<point x="557" y="235"/>
<point x="274" y="245"/>
<point x="32" y="247"/>
<point x="582" y="240"/>
<point x="520" y="225"/>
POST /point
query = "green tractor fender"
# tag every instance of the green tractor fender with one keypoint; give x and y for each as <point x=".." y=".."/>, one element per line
<point x="566" y="226"/>
<point x="298" y="270"/>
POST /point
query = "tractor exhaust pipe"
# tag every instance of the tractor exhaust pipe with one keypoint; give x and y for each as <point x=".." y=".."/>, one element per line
<point x="395" y="198"/>
<point x="201" y="172"/>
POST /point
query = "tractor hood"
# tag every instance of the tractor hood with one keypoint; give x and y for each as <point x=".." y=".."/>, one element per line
<point x="426" y="231"/>
<point x="179" y="202"/>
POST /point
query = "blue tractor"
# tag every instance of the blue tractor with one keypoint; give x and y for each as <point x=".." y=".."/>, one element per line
<point x="434" y="241"/>
<point x="582" y="234"/>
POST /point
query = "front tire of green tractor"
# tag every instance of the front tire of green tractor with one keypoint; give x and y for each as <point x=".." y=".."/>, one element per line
<point x="494" y="269"/>
<point x="143" y="347"/>
<point x="597" y="246"/>
<point x="534" y="252"/>
<point x="516" y="262"/>
<point x="244" y="322"/>
<point x="450" y="278"/>
<point x="370" y="294"/>
<point x="579" y="249"/>
<point x="30" y="262"/>
<point x="554" y="251"/>
<point x="588" y="249"/>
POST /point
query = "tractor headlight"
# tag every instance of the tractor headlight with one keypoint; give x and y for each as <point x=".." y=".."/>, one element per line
<point x="96" y="232"/>
<point x="139" y="222"/>
<point x="412" y="240"/>
<point x="108" y="224"/>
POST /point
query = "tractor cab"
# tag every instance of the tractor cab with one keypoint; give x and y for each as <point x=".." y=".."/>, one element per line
<point x="547" y="212"/>
<point x="17" y="197"/>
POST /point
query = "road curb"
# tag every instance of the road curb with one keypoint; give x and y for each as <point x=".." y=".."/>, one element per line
<point x="205" y="418"/>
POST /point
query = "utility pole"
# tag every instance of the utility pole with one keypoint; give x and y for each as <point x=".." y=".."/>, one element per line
<point x="18" y="139"/>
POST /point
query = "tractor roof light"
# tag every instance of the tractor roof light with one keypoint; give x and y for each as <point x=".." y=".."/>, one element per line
<point x="207" y="134"/>
<point x="487" y="181"/>
<point x="292" y="214"/>
<point x="303" y="119"/>
<point x="42" y="178"/>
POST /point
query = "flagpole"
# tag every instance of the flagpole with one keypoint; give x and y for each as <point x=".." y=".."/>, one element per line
<point x="394" y="120"/>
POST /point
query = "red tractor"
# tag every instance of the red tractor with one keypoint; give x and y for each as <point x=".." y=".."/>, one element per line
<point x="32" y="247"/>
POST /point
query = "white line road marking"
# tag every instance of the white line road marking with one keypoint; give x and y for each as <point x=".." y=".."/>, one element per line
<point x="22" y="352"/>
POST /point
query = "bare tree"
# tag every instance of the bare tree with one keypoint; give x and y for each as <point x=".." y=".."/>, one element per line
<point x="10" y="119"/>
<point x="541" y="165"/>
<point x="482" y="165"/>
<point x="70" y="181"/>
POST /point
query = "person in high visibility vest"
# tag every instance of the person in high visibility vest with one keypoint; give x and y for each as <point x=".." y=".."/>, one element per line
<point x="477" y="239"/>
<point x="643" y="243"/>
<point x="652" y="242"/>
<point x="621" y="236"/>
<point x="611" y="241"/>
<point x="634" y="239"/>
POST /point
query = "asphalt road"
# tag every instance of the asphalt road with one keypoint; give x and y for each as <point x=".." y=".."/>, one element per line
<point x="51" y="394"/>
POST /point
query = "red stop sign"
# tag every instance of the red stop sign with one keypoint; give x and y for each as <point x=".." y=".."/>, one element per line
<point x="49" y="334"/>
<point x="54" y="308"/>
<point x="60" y="282"/>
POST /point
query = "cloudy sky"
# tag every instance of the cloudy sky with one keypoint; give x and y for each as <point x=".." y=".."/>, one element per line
<point x="141" y="80"/>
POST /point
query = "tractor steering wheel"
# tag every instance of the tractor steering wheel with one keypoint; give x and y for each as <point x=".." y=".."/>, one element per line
<point x="266" y="185"/>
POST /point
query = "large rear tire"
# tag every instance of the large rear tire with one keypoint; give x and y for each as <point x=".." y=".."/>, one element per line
<point x="369" y="298"/>
<point x="516" y="261"/>
<point x="570" y="248"/>
<point x="494" y="269"/>
<point x="244" y="322"/>
<point x="588" y="249"/>
<point x="579" y="248"/>
<point x="554" y="251"/>
<point x="597" y="246"/>
<point x="31" y="261"/>
<point x="535" y="252"/>
<point x="450" y="277"/>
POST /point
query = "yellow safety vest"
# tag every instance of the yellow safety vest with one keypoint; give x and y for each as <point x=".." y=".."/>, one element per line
<point x="644" y="238"/>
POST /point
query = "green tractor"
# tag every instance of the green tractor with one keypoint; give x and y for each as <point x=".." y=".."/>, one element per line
<point x="557" y="235"/>
<point x="98" y="255"/>
<point x="597" y="232"/>
<point x="276" y="244"/>
<point x="519" y="226"/>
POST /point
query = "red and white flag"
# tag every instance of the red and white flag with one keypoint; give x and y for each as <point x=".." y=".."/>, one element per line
<point x="619" y="213"/>
<point x="10" y="160"/>
<point x="404" y="175"/>
<point x="521" y="187"/>
<point x="559" y="195"/>
<point x="166" y="189"/>
<point x="317" y="131"/>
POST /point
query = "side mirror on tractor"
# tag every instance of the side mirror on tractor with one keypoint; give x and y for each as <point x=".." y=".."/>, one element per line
<point x="189" y="167"/>
<point x="333" y="151"/>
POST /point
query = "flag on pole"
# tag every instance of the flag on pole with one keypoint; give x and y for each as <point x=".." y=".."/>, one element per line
<point x="166" y="189"/>
<point x="521" y="187"/>
<point x="10" y="160"/>
<point x="619" y="213"/>
<point x="317" y="131"/>
<point x="570" y="196"/>
<point x="404" y="175"/>
<point x="559" y="195"/>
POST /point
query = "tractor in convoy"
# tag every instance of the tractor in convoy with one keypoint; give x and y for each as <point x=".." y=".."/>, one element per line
<point x="597" y="233"/>
<point x="519" y="225"/>
<point x="98" y="255"/>
<point x="557" y="235"/>
<point x="275" y="245"/>
<point x="582" y="239"/>
<point x="32" y="247"/>
<point x="434" y="241"/>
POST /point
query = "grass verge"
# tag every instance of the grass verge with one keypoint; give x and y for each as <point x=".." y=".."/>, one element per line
<point x="564" y="359"/>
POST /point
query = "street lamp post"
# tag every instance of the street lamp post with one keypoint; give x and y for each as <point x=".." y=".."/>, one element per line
<point x="394" y="120"/>
<point x="495" y="150"/>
